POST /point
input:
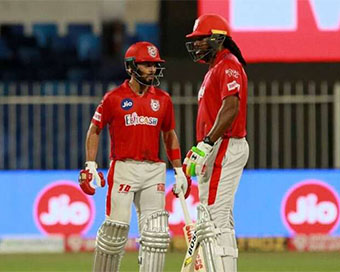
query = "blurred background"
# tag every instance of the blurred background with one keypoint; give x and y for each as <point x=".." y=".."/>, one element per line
<point x="59" y="57"/>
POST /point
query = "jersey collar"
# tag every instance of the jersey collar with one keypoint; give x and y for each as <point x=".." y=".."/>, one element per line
<point x="219" y="56"/>
<point x="126" y="85"/>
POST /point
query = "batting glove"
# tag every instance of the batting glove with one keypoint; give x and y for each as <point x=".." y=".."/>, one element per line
<point x="183" y="183"/>
<point x="90" y="179"/>
<point x="194" y="162"/>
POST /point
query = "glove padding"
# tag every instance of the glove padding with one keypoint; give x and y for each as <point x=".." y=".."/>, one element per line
<point x="183" y="183"/>
<point x="89" y="178"/>
<point x="194" y="162"/>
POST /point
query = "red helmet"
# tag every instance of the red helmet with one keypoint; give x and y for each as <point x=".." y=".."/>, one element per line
<point x="143" y="52"/>
<point x="214" y="29"/>
<point x="209" y="24"/>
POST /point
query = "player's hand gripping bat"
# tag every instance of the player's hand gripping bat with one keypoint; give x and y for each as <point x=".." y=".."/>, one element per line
<point x="193" y="260"/>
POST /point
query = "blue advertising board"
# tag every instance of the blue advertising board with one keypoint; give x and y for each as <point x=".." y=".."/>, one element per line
<point x="269" y="203"/>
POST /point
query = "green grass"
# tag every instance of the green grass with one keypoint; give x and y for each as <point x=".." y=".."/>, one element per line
<point x="248" y="262"/>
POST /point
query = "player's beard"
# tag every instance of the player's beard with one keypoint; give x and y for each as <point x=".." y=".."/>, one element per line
<point x="147" y="80"/>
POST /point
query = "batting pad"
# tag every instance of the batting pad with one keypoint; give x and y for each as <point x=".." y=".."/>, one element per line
<point x="154" y="242"/>
<point x="110" y="243"/>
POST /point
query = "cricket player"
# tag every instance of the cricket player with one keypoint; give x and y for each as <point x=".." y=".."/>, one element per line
<point x="136" y="113"/>
<point x="222" y="150"/>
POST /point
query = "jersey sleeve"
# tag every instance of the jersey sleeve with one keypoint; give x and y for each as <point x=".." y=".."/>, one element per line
<point x="169" y="116"/>
<point x="102" y="114"/>
<point x="230" y="80"/>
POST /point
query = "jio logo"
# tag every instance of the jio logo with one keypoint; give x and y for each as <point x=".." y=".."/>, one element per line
<point x="311" y="207"/>
<point x="173" y="206"/>
<point x="126" y="104"/>
<point x="62" y="208"/>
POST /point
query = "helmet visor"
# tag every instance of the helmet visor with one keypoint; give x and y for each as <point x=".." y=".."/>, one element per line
<point x="148" y="79"/>
<point x="204" y="47"/>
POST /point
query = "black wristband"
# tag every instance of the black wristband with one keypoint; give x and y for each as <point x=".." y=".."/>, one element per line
<point x="208" y="141"/>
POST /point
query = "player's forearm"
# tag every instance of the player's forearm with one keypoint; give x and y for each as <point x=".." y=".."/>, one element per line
<point x="225" y="118"/>
<point x="171" y="145"/>
<point x="92" y="141"/>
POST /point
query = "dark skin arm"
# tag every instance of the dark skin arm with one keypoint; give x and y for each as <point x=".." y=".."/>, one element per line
<point x="225" y="117"/>
<point x="170" y="141"/>
<point x="91" y="142"/>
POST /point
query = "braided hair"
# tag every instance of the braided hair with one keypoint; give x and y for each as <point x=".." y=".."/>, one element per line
<point x="233" y="48"/>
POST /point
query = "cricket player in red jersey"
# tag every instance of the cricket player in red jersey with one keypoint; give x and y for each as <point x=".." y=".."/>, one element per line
<point x="222" y="150"/>
<point x="137" y="112"/>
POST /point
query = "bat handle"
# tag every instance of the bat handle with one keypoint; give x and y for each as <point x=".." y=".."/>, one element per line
<point x="187" y="217"/>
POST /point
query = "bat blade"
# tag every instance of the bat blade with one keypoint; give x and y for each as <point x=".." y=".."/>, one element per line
<point x="192" y="250"/>
<point x="193" y="260"/>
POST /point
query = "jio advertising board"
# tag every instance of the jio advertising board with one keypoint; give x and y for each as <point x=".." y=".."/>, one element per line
<point x="282" y="30"/>
<point x="268" y="203"/>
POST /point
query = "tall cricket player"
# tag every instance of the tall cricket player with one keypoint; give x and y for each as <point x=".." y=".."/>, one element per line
<point x="137" y="112"/>
<point x="222" y="150"/>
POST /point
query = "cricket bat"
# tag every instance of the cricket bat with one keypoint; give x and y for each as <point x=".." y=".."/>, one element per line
<point x="193" y="260"/>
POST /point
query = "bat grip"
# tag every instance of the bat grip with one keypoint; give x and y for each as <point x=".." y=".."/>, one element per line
<point x="186" y="214"/>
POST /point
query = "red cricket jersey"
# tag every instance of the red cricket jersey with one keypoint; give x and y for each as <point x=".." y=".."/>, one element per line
<point x="135" y="122"/>
<point x="225" y="77"/>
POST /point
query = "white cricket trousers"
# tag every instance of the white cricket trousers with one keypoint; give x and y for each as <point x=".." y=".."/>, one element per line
<point x="140" y="182"/>
<point x="217" y="189"/>
<point x="218" y="186"/>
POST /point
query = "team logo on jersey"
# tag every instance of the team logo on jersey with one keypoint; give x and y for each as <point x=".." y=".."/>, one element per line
<point x="126" y="104"/>
<point x="154" y="105"/>
<point x="152" y="50"/>
<point x="233" y="85"/>
<point x="201" y="92"/>
<point x="134" y="119"/>
<point x="232" y="73"/>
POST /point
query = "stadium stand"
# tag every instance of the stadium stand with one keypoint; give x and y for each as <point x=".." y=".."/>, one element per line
<point x="80" y="54"/>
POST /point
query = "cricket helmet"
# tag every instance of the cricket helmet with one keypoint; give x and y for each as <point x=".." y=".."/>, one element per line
<point x="209" y="24"/>
<point x="142" y="52"/>
<point x="214" y="28"/>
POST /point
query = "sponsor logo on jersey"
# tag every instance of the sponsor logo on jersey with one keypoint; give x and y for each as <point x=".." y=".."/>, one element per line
<point x="201" y="92"/>
<point x="233" y="85"/>
<point x="134" y="119"/>
<point x="154" y="105"/>
<point x="232" y="73"/>
<point x="311" y="207"/>
<point x="62" y="208"/>
<point x="152" y="50"/>
<point x="126" y="104"/>
<point x="97" y="116"/>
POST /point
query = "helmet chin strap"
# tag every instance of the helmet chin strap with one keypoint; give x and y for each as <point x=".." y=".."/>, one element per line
<point x="142" y="81"/>
<point x="132" y="69"/>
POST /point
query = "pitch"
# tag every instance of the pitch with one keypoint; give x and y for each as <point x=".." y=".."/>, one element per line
<point x="248" y="262"/>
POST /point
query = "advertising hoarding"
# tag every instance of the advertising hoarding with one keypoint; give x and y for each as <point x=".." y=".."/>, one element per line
<point x="269" y="203"/>
<point x="282" y="30"/>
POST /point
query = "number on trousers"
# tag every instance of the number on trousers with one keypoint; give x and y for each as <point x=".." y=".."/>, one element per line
<point x="124" y="188"/>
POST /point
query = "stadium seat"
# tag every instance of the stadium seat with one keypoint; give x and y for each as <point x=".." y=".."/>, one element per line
<point x="61" y="44"/>
<point x="12" y="30"/>
<point x="44" y="33"/>
<point x="29" y="55"/>
<point x="74" y="31"/>
<point x="5" y="52"/>
<point x="88" y="47"/>
<point x="148" y="32"/>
